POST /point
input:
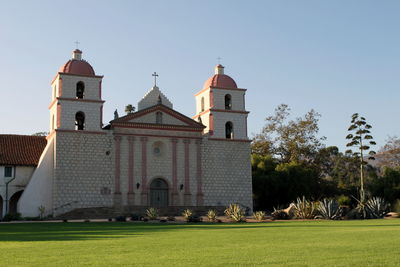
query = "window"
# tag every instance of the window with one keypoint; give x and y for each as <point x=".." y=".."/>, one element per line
<point x="8" y="171"/>
<point x="229" y="130"/>
<point x="202" y="104"/>
<point x="79" y="121"/>
<point x="159" y="118"/>
<point x="228" y="102"/>
<point x="158" y="148"/>
<point x="80" y="90"/>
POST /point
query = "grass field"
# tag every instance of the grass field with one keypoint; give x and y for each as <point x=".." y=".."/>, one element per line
<point x="291" y="243"/>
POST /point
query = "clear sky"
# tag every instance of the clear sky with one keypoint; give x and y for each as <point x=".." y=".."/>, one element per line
<point x="337" y="57"/>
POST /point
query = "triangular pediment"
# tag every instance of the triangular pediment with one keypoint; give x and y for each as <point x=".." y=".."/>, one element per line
<point x="149" y="115"/>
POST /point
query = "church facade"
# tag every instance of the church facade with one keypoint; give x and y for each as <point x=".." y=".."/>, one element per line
<point x="154" y="157"/>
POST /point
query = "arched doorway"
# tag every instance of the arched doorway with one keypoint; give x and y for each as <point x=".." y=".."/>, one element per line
<point x="159" y="193"/>
<point x="13" y="202"/>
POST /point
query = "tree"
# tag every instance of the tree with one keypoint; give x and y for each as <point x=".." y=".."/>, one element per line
<point x="289" y="140"/>
<point x="361" y="139"/>
<point x="129" y="109"/>
<point x="389" y="154"/>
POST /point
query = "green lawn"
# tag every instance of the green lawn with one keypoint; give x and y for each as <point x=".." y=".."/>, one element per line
<point x="291" y="243"/>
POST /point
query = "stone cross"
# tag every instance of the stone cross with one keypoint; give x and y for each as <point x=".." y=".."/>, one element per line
<point x="77" y="44"/>
<point x="155" y="78"/>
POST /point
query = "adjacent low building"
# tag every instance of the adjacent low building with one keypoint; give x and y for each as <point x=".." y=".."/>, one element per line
<point x="19" y="156"/>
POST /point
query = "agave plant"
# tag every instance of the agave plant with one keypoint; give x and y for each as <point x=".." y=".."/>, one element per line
<point x="235" y="213"/>
<point x="304" y="209"/>
<point x="329" y="209"/>
<point x="152" y="213"/>
<point x="212" y="215"/>
<point x="376" y="207"/>
<point x="187" y="214"/>
<point x="259" y="216"/>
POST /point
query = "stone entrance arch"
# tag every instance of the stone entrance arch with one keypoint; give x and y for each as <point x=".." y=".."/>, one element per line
<point x="14" y="201"/>
<point x="159" y="193"/>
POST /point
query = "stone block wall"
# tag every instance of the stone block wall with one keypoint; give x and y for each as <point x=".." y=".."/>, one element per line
<point x="238" y="121"/>
<point x="92" y="86"/>
<point x="83" y="171"/>
<point x="227" y="173"/>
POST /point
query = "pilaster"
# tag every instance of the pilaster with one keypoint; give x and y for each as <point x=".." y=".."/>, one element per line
<point x="144" y="193"/>
<point x="131" y="194"/>
<point x="117" y="172"/>
<point x="199" y="175"/>
<point x="187" y="194"/>
<point x="175" y="195"/>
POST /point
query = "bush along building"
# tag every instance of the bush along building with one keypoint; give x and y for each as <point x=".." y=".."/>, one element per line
<point x="154" y="157"/>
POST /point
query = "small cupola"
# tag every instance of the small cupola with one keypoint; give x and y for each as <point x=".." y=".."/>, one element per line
<point x="77" y="54"/>
<point x="219" y="69"/>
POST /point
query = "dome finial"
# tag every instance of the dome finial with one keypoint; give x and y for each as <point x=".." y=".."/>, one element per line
<point x="219" y="69"/>
<point x="77" y="54"/>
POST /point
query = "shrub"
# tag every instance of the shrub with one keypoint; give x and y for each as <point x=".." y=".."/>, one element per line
<point x="135" y="217"/>
<point x="212" y="215"/>
<point x="376" y="207"/>
<point x="65" y="220"/>
<point x="343" y="200"/>
<point x="396" y="206"/>
<point x="259" y="215"/>
<point x="171" y="218"/>
<point x="235" y="213"/>
<point x="120" y="218"/>
<point x="329" y="209"/>
<point x="110" y="219"/>
<point x="42" y="211"/>
<point x="37" y="218"/>
<point x="304" y="209"/>
<point x="195" y="218"/>
<point x="152" y="213"/>
<point x="12" y="217"/>
<point x="87" y="220"/>
<point x="280" y="215"/>
<point x="187" y="214"/>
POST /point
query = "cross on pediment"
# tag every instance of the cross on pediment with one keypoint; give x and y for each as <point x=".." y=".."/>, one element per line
<point x="155" y="75"/>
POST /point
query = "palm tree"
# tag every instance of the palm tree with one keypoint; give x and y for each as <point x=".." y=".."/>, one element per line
<point x="129" y="109"/>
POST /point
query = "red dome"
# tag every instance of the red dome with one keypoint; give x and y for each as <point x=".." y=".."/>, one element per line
<point x="220" y="80"/>
<point x="79" y="67"/>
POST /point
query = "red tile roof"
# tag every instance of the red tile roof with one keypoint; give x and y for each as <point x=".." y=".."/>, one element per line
<point x="220" y="80"/>
<point x="79" y="67"/>
<point x="21" y="149"/>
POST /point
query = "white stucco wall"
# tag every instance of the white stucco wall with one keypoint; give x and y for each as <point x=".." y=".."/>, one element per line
<point x="166" y="119"/>
<point x="22" y="175"/>
<point x="39" y="189"/>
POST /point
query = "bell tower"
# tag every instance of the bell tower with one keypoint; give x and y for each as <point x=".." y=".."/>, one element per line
<point x="76" y="97"/>
<point x="220" y="106"/>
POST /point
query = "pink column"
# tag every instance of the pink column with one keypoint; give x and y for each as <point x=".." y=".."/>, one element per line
<point x="199" y="175"/>
<point x="131" y="194"/>
<point x="117" y="173"/>
<point x="144" y="195"/>
<point x="187" y="195"/>
<point x="175" y="195"/>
